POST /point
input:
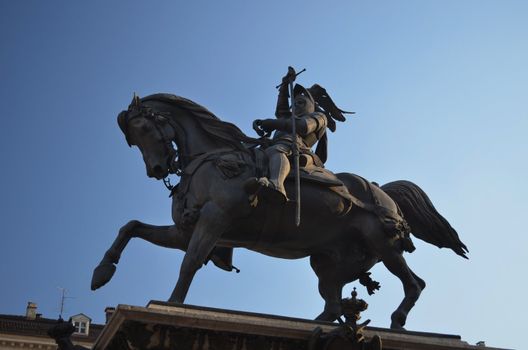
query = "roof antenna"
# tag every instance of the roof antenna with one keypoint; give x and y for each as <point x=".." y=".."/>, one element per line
<point x="63" y="298"/>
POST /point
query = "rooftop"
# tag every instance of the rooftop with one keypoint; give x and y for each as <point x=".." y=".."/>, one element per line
<point x="21" y="325"/>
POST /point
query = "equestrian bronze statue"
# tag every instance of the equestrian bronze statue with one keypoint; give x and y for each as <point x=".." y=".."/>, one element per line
<point x="238" y="191"/>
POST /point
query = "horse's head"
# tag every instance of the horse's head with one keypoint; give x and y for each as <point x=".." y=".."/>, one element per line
<point x="152" y="133"/>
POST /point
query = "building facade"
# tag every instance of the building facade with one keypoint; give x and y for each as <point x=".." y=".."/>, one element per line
<point x="30" y="330"/>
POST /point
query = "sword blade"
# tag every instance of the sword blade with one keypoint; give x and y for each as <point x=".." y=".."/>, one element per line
<point x="295" y="151"/>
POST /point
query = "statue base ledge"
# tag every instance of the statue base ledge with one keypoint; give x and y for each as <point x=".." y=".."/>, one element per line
<point x="163" y="325"/>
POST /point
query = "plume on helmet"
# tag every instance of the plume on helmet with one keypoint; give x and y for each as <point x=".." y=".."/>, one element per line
<point x="327" y="106"/>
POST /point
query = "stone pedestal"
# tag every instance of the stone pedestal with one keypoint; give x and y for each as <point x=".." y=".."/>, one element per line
<point x="162" y="325"/>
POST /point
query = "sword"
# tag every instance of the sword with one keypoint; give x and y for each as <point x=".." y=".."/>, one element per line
<point x="295" y="76"/>
<point x="295" y="151"/>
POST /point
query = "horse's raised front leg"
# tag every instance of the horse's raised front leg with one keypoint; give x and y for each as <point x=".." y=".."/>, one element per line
<point x="164" y="236"/>
<point x="211" y="225"/>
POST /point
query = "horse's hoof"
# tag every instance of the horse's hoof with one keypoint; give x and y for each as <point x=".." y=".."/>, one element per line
<point x="175" y="300"/>
<point x="398" y="319"/>
<point x="102" y="274"/>
<point x="397" y="327"/>
<point x="327" y="316"/>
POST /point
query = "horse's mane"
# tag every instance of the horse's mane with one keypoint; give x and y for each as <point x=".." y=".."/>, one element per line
<point x="224" y="131"/>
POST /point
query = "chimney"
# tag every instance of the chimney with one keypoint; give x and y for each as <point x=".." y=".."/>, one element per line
<point x="31" y="311"/>
<point x="109" y="311"/>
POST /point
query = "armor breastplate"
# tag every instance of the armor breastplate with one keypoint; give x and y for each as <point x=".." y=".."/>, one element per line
<point x="306" y="141"/>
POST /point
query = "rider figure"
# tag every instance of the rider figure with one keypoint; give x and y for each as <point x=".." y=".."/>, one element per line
<point x="310" y="126"/>
<point x="314" y="112"/>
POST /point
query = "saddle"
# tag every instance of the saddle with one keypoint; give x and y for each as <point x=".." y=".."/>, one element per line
<point x="232" y="164"/>
<point x="362" y="197"/>
<point x="324" y="178"/>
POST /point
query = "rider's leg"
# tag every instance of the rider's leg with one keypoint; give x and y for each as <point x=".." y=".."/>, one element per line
<point x="279" y="169"/>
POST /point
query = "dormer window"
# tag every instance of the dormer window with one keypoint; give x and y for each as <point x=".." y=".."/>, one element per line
<point x="81" y="322"/>
<point x="80" y="327"/>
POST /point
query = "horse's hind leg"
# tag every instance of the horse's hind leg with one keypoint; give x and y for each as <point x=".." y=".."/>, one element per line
<point x="420" y="281"/>
<point x="412" y="286"/>
<point x="330" y="286"/>
<point x="165" y="236"/>
<point x="388" y="249"/>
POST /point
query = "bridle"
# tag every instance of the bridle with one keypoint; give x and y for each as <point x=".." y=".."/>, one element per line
<point x="158" y="119"/>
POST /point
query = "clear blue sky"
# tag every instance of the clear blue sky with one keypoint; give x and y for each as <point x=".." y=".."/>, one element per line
<point x="440" y="91"/>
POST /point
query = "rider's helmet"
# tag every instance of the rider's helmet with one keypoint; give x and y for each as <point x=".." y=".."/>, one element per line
<point x="303" y="100"/>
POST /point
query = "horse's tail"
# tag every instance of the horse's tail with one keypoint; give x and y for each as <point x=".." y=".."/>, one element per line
<point x="426" y="223"/>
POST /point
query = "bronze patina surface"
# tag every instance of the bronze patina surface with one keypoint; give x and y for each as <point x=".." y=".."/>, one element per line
<point x="234" y="188"/>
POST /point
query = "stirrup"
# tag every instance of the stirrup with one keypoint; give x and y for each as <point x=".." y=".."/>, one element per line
<point x="271" y="192"/>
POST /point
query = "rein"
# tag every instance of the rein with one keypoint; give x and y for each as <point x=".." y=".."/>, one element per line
<point x="176" y="162"/>
<point x="158" y="119"/>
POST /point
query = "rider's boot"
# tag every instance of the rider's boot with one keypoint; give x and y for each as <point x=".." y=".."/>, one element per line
<point x="279" y="168"/>
<point x="271" y="188"/>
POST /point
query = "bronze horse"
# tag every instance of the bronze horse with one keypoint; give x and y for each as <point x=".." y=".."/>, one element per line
<point x="211" y="209"/>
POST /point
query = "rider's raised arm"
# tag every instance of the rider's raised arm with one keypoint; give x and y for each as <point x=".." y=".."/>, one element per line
<point x="283" y="104"/>
<point x="283" y="100"/>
